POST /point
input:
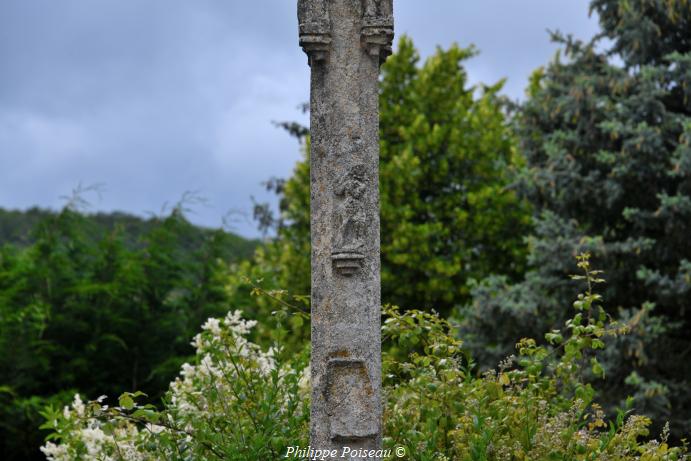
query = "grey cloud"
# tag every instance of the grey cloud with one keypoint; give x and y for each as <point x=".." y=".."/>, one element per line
<point x="156" y="97"/>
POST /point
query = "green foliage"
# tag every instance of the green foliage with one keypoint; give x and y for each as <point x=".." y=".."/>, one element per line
<point x="536" y="406"/>
<point x="645" y="32"/>
<point x="239" y="401"/>
<point x="83" y="307"/>
<point x="18" y="228"/>
<point x="21" y="417"/>
<point x="609" y="171"/>
<point x="235" y="402"/>
<point x="447" y="155"/>
<point x="446" y="158"/>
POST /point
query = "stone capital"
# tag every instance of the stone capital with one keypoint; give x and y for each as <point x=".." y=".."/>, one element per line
<point x="377" y="28"/>
<point x="315" y="29"/>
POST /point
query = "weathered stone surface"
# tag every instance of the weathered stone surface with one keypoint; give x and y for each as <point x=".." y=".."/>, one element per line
<point x="345" y="40"/>
<point x="350" y="400"/>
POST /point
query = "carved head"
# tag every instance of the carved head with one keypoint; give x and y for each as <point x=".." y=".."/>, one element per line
<point x="355" y="181"/>
<point x="377" y="8"/>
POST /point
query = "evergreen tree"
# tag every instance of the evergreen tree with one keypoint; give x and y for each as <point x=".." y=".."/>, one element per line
<point x="608" y="147"/>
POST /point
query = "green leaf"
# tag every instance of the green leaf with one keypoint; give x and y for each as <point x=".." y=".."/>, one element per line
<point x="126" y="401"/>
<point x="597" y="368"/>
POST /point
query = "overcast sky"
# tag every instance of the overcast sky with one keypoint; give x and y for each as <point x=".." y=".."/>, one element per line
<point x="152" y="98"/>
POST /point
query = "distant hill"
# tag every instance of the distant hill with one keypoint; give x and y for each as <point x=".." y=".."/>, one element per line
<point x="17" y="227"/>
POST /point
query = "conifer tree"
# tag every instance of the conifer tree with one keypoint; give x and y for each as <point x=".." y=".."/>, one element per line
<point x="607" y="138"/>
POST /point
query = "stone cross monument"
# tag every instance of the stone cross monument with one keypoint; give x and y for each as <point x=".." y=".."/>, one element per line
<point x="345" y="41"/>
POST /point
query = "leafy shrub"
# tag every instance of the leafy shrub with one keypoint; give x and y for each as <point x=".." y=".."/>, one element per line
<point x="535" y="406"/>
<point x="239" y="401"/>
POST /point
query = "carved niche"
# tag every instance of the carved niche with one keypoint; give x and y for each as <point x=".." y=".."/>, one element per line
<point x="377" y="27"/>
<point x="350" y="400"/>
<point x="350" y="221"/>
<point x="315" y="32"/>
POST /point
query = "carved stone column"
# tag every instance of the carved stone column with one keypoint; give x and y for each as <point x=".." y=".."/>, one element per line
<point x="346" y="41"/>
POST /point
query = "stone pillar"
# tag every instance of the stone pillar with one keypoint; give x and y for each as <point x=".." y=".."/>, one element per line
<point x="346" y="41"/>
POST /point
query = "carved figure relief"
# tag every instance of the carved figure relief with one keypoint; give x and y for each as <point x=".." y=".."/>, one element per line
<point x="315" y="34"/>
<point x="380" y="11"/>
<point x="351" y="210"/>
<point x="351" y="221"/>
<point x="350" y="400"/>
<point x="377" y="27"/>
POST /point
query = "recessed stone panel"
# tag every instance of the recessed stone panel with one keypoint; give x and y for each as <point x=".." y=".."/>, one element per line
<point x="350" y="400"/>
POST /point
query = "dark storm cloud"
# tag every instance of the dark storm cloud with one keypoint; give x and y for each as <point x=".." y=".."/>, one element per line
<point x="156" y="97"/>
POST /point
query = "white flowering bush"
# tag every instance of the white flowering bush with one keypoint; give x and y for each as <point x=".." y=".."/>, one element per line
<point x="84" y="436"/>
<point x="236" y="402"/>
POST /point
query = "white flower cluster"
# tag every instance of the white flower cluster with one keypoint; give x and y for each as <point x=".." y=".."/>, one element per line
<point x="199" y="393"/>
<point x="224" y="352"/>
<point x="85" y="439"/>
